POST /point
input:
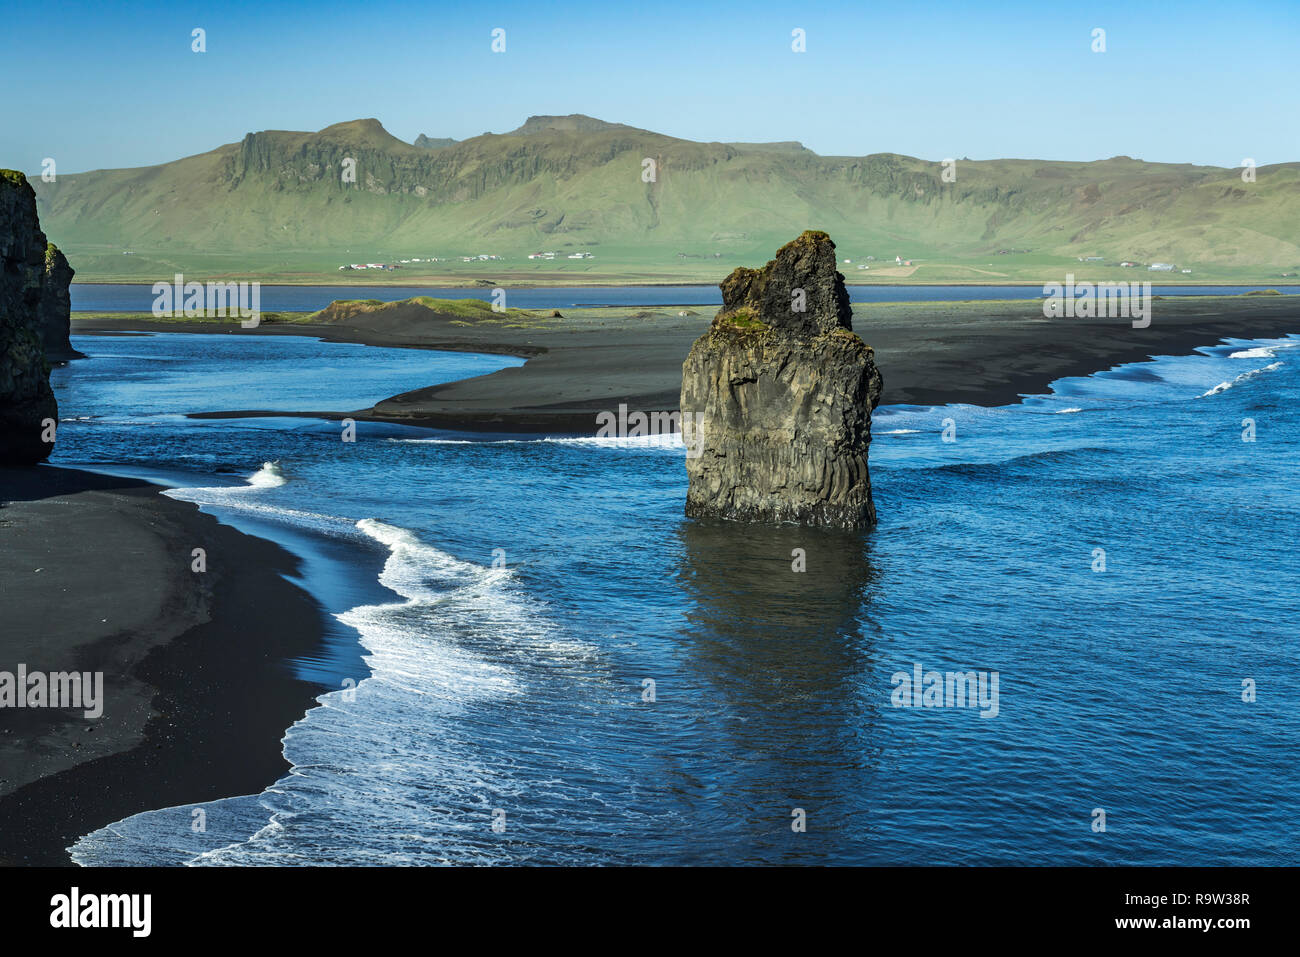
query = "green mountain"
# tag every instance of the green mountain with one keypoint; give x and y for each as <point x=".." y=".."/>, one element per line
<point x="277" y="204"/>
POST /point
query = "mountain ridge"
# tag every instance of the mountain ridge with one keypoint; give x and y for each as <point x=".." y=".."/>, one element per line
<point x="641" y="193"/>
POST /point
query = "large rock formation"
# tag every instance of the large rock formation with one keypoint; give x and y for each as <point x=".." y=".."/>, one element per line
<point x="782" y="390"/>
<point x="27" y="405"/>
<point x="56" y="306"/>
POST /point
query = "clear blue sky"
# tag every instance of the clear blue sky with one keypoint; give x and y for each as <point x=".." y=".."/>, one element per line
<point x="101" y="85"/>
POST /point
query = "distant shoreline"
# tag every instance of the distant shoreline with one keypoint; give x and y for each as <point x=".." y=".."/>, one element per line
<point x="632" y="284"/>
<point x="595" y="359"/>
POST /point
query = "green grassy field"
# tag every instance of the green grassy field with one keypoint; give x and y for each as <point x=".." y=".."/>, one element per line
<point x="311" y="268"/>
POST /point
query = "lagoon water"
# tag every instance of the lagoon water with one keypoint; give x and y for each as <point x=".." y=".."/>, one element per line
<point x="138" y="297"/>
<point x="500" y="604"/>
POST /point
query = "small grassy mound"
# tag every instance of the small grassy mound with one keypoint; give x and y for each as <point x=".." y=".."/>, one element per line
<point x="460" y="311"/>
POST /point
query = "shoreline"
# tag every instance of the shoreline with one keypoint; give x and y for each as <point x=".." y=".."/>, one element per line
<point x="987" y="353"/>
<point x="633" y="284"/>
<point x="197" y="689"/>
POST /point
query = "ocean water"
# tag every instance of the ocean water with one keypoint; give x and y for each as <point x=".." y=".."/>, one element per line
<point x="139" y="297"/>
<point x="498" y="607"/>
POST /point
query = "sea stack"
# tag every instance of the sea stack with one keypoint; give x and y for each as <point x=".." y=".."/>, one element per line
<point x="27" y="407"/>
<point x="777" y="397"/>
<point x="56" y="306"/>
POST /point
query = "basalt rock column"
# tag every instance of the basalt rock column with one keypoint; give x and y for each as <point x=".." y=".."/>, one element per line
<point x="782" y="390"/>
<point x="56" y="306"/>
<point x="27" y="406"/>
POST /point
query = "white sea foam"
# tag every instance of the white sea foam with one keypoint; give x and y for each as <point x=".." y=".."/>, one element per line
<point x="1263" y="352"/>
<point x="462" y="639"/>
<point x="270" y="475"/>
<point x="247" y="498"/>
<point x="668" y="440"/>
<point x="1068" y="411"/>
<point x="438" y="441"/>
<point x="1245" y="376"/>
<point x="1268" y="350"/>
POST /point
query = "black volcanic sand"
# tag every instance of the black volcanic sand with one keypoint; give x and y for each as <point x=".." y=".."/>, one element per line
<point x="591" y="360"/>
<point x="95" y="575"/>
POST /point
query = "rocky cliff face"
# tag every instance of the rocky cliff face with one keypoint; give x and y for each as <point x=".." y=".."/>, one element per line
<point x="56" y="306"/>
<point x="27" y="405"/>
<point x="783" y="390"/>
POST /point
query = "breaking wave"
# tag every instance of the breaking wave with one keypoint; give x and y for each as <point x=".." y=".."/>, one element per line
<point x="1244" y="377"/>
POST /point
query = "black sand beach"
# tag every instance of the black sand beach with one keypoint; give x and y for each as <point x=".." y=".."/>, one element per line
<point x="591" y="360"/>
<point x="96" y="576"/>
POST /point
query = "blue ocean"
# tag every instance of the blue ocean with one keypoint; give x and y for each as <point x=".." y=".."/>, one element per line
<point x="533" y="657"/>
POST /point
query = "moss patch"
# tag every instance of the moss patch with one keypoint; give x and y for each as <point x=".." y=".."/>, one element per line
<point x="744" y="320"/>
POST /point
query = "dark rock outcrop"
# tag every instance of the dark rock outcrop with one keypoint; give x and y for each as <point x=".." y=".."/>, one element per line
<point x="27" y="406"/>
<point x="782" y="389"/>
<point x="56" y="306"/>
<point x="433" y="143"/>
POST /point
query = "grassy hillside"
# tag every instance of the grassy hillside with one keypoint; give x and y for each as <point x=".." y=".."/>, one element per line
<point x="275" y="206"/>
